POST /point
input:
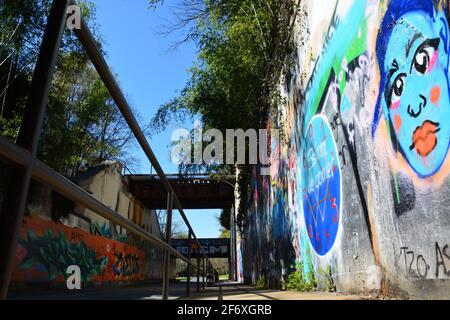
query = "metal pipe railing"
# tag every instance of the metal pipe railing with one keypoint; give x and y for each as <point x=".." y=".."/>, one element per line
<point x="90" y="45"/>
<point x="23" y="156"/>
<point x="166" y="282"/>
<point x="49" y="177"/>
<point x="28" y="138"/>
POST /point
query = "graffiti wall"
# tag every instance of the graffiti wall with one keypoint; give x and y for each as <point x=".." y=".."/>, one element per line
<point x="46" y="249"/>
<point x="361" y="184"/>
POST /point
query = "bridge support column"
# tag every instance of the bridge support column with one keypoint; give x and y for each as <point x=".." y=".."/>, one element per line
<point x="166" y="274"/>
<point x="15" y="201"/>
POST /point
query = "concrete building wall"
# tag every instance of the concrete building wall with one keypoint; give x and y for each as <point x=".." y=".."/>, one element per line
<point x="105" y="184"/>
<point x="360" y="186"/>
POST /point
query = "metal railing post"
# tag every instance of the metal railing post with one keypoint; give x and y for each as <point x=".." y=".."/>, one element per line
<point x="229" y="264"/>
<point x="204" y="273"/>
<point x="188" y="284"/>
<point x="28" y="138"/>
<point x="90" y="45"/>
<point x="27" y="165"/>
<point x="166" y="276"/>
<point x="198" y="274"/>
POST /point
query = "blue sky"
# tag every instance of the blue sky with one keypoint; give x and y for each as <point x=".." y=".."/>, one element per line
<point x="150" y="75"/>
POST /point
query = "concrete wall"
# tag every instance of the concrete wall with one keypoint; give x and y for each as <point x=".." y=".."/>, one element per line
<point x="105" y="252"/>
<point x="107" y="185"/>
<point x="46" y="249"/>
<point x="360" y="185"/>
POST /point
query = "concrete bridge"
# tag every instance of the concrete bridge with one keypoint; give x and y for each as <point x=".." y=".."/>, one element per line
<point x="194" y="191"/>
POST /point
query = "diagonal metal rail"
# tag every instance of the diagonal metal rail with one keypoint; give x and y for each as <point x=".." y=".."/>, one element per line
<point x="27" y="166"/>
<point x="45" y="175"/>
<point x="90" y="45"/>
<point x="28" y="138"/>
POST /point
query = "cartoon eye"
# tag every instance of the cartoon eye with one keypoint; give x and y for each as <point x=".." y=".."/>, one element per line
<point x="422" y="59"/>
<point x="423" y="55"/>
<point x="398" y="88"/>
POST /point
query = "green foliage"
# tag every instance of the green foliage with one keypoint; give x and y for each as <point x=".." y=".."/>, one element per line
<point x="10" y="127"/>
<point x="243" y="48"/>
<point x="56" y="253"/>
<point x="243" y="189"/>
<point x="261" y="283"/>
<point x="298" y="281"/>
<point x="82" y="126"/>
<point x="224" y="218"/>
<point x="239" y="43"/>
<point x="225" y="234"/>
<point x="331" y="287"/>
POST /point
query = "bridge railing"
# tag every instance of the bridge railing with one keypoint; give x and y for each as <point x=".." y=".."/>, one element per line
<point x="23" y="156"/>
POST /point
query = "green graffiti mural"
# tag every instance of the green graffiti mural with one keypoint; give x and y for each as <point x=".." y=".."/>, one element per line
<point x="346" y="41"/>
<point x="55" y="253"/>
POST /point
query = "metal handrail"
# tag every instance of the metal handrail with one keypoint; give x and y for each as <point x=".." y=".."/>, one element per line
<point x="23" y="154"/>
<point x="88" y="41"/>
<point x="90" y="45"/>
<point x="45" y="175"/>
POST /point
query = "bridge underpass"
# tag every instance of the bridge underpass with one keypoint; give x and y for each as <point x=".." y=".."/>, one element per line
<point x="195" y="192"/>
<point x="199" y="192"/>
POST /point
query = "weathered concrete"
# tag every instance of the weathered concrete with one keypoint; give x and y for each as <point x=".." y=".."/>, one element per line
<point x="107" y="185"/>
<point x="360" y="188"/>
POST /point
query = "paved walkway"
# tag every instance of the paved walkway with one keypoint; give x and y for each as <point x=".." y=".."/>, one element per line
<point x="220" y="291"/>
<point x="235" y="291"/>
<point x="139" y="292"/>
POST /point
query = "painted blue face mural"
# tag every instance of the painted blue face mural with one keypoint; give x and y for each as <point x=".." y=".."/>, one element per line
<point x="413" y="57"/>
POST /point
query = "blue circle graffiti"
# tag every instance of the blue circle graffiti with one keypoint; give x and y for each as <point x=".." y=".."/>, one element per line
<point x="321" y="185"/>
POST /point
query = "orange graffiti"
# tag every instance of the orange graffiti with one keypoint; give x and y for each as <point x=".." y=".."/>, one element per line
<point x="425" y="139"/>
<point x="399" y="163"/>
<point x="435" y="94"/>
<point x="103" y="249"/>
<point x="397" y="122"/>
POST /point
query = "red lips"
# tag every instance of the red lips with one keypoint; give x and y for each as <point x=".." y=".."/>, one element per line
<point x="425" y="138"/>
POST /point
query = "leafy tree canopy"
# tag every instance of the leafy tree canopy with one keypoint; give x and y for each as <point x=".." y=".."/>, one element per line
<point x="243" y="48"/>
<point x="82" y="126"/>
